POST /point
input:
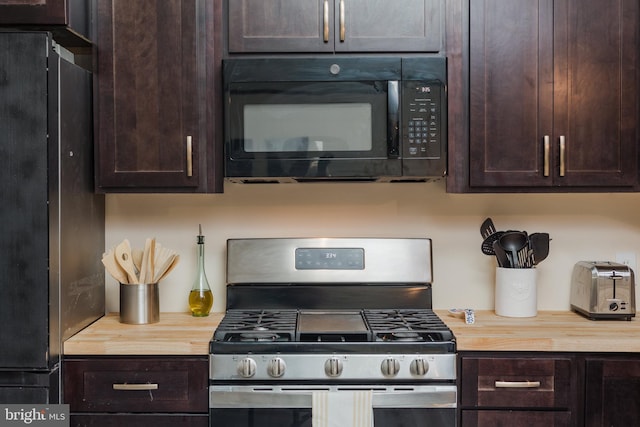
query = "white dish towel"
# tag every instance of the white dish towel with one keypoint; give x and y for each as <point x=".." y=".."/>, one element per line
<point x="342" y="409"/>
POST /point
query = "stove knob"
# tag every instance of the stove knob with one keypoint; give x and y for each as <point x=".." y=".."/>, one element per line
<point x="419" y="367"/>
<point x="333" y="367"/>
<point x="276" y="367"/>
<point x="247" y="367"/>
<point x="390" y="367"/>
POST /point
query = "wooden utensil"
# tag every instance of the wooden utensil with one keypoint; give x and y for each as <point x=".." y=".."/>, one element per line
<point x="125" y="259"/>
<point x="152" y="261"/>
<point x="137" y="258"/>
<point x="168" y="263"/>
<point x="144" y="266"/>
<point x="174" y="262"/>
<point x="112" y="266"/>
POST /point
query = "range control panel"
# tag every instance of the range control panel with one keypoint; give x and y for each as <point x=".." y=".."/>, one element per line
<point x="421" y="118"/>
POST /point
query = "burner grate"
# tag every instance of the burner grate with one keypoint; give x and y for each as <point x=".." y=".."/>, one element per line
<point x="415" y="325"/>
<point x="380" y="325"/>
<point x="257" y="326"/>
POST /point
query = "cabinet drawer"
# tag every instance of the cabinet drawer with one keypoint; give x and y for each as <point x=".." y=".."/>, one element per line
<point x="515" y="419"/>
<point x="516" y="382"/>
<point x="137" y="384"/>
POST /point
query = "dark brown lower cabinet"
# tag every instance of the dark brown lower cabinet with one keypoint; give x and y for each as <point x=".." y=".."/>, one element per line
<point x="518" y="389"/>
<point x="504" y="418"/>
<point x="612" y="391"/>
<point x="166" y="420"/>
<point x="137" y="391"/>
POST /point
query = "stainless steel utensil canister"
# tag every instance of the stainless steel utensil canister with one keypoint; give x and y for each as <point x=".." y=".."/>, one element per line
<point x="139" y="304"/>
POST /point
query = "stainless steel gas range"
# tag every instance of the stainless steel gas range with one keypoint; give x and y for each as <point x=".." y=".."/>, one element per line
<point x="318" y="320"/>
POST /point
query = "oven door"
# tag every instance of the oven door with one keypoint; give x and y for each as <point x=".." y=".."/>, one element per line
<point x="291" y="406"/>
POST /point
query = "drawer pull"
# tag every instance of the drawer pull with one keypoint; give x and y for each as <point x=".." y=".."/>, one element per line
<point x="147" y="386"/>
<point x="517" y="384"/>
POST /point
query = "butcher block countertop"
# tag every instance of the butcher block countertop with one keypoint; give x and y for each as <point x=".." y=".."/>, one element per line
<point x="182" y="334"/>
<point x="174" y="334"/>
<point x="548" y="331"/>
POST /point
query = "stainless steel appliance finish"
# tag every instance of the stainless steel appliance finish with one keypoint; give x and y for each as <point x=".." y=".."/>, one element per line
<point x="51" y="278"/>
<point x="287" y="396"/>
<point x="304" y="119"/>
<point x="331" y="314"/>
<point x="603" y="290"/>
<point x="322" y="260"/>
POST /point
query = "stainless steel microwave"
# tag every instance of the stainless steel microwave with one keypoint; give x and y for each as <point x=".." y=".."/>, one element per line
<point x="335" y="118"/>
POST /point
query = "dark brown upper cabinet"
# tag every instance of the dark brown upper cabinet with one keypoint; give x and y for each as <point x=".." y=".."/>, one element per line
<point x="69" y="20"/>
<point x="553" y="95"/>
<point x="335" y="26"/>
<point x="155" y="109"/>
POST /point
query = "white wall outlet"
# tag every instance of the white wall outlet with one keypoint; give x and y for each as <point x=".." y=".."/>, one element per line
<point x="627" y="258"/>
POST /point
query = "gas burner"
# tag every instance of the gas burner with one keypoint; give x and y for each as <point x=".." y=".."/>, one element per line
<point x="406" y="336"/>
<point x="258" y="337"/>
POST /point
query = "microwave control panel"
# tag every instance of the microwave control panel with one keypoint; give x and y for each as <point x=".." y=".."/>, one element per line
<point x="421" y="119"/>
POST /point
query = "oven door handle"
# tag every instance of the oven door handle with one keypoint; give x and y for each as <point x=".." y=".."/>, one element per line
<point x="246" y="397"/>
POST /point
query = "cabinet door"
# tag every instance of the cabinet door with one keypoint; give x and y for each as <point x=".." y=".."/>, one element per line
<point x="151" y="106"/>
<point x="612" y="392"/>
<point x="52" y="12"/>
<point x="280" y="25"/>
<point x="596" y="92"/>
<point x="340" y="25"/>
<point x="51" y="15"/>
<point x="120" y="420"/>
<point x="554" y="96"/>
<point x="384" y="26"/>
<point x="511" y="91"/>
<point x="515" y="419"/>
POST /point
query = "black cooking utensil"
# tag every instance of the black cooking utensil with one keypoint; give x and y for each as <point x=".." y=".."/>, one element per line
<point x="512" y="242"/>
<point x="539" y="243"/>
<point x="501" y="255"/>
<point x="487" y="243"/>
<point x="487" y="228"/>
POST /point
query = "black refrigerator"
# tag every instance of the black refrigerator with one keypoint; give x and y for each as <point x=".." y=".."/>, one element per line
<point x="51" y="222"/>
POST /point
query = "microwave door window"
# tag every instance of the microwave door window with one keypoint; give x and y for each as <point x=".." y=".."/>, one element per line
<point x="319" y="130"/>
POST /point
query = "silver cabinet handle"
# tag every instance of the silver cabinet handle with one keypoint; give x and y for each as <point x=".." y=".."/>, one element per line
<point x="147" y="386"/>
<point x="562" y="155"/>
<point x="517" y="384"/>
<point x="342" y="26"/>
<point x="546" y="155"/>
<point x="189" y="156"/>
<point x="326" y="21"/>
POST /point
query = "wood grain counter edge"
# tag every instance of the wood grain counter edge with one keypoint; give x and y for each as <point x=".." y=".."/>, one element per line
<point x="174" y="334"/>
<point x="557" y="331"/>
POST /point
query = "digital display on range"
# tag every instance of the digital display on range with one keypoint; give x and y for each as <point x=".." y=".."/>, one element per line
<point x="329" y="259"/>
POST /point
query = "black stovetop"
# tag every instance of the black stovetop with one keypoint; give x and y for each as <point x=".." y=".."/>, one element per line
<point x="291" y="330"/>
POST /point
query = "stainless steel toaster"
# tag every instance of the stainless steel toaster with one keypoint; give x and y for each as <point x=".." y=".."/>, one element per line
<point x="603" y="290"/>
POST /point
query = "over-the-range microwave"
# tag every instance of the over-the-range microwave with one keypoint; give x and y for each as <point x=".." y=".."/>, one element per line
<point x="369" y="118"/>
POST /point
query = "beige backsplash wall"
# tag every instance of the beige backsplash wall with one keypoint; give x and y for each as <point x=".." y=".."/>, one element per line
<point x="582" y="226"/>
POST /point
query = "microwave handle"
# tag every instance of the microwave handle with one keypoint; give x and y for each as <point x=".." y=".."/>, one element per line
<point x="393" y="119"/>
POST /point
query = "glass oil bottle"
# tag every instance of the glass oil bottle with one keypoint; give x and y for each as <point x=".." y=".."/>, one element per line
<point x="200" y="297"/>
